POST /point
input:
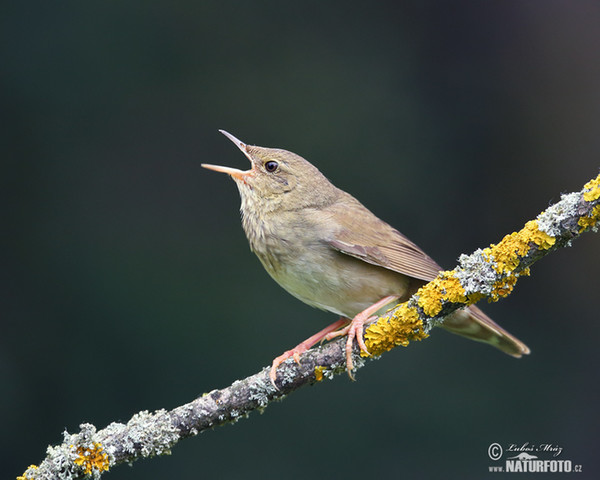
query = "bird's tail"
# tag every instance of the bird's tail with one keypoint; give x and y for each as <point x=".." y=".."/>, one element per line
<point x="476" y="325"/>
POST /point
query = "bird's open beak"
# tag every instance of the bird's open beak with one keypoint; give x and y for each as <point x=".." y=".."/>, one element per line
<point x="233" y="172"/>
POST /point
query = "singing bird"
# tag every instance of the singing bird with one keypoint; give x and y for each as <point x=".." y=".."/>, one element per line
<point x="327" y="249"/>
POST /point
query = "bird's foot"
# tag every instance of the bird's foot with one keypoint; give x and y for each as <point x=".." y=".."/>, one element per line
<point x="303" y="347"/>
<point x="355" y="331"/>
<point x="294" y="352"/>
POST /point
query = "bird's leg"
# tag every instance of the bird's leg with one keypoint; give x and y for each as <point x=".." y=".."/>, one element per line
<point x="304" y="346"/>
<point x="355" y="330"/>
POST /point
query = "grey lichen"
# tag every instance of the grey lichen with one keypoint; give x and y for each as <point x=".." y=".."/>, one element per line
<point x="550" y="221"/>
<point x="289" y="373"/>
<point x="146" y="434"/>
<point x="358" y="361"/>
<point x="476" y="273"/>
<point x="259" y="393"/>
<point x="60" y="462"/>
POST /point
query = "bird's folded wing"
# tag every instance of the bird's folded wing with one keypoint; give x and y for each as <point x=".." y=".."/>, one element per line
<point x="374" y="241"/>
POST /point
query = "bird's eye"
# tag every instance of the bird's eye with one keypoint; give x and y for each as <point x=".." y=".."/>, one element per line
<point x="271" y="166"/>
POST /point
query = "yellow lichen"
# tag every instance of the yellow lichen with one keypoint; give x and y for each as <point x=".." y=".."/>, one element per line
<point x="508" y="253"/>
<point x="541" y="239"/>
<point x="403" y="326"/>
<point x="503" y="288"/>
<point x="430" y="299"/>
<point x="474" y="297"/>
<point x="592" y="190"/>
<point x="446" y="287"/>
<point x="25" y="475"/>
<point x="319" y="370"/>
<point x="92" y="458"/>
<point x="591" y="220"/>
<point x="454" y="291"/>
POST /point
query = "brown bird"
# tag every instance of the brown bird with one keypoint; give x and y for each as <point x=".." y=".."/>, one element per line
<point x="327" y="249"/>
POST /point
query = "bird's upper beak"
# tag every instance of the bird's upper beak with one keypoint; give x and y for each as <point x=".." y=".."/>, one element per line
<point x="233" y="172"/>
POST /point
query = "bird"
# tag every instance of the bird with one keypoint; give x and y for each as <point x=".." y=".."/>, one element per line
<point x="327" y="249"/>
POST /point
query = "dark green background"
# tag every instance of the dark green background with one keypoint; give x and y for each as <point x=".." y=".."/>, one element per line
<point x="127" y="283"/>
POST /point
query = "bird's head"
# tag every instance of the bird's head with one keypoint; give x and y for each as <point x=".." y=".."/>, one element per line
<point x="277" y="179"/>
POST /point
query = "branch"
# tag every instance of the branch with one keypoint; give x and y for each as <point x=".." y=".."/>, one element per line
<point x="489" y="273"/>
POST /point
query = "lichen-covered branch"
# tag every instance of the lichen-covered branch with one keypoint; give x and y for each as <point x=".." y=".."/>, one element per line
<point x="487" y="273"/>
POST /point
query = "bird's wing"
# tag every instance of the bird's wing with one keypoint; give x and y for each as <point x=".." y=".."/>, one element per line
<point x="360" y="234"/>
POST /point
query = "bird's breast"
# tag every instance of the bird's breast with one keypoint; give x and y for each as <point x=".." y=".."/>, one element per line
<point x="305" y="265"/>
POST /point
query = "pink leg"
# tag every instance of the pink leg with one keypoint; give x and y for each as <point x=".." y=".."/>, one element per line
<point x="304" y="346"/>
<point x="355" y="330"/>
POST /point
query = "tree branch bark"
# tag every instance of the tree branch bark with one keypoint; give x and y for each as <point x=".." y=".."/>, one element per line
<point x="487" y="273"/>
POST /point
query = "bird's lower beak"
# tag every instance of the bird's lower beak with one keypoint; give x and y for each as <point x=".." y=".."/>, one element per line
<point x="233" y="172"/>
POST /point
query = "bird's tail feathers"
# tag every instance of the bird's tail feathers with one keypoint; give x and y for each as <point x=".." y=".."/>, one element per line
<point x="472" y="323"/>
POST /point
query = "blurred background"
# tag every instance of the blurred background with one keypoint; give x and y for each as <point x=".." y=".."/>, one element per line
<point x="127" y="281"/>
